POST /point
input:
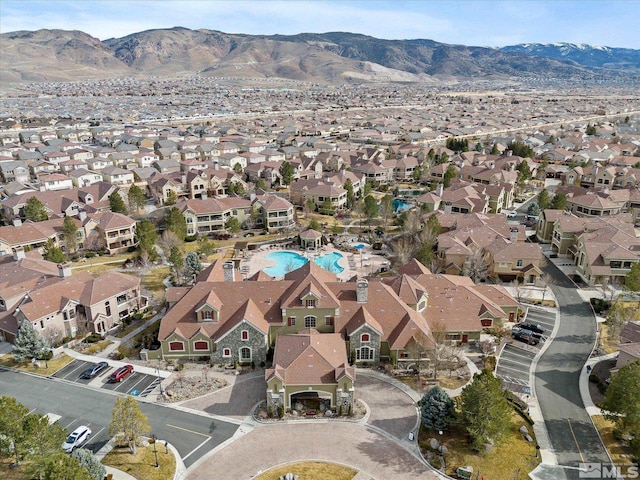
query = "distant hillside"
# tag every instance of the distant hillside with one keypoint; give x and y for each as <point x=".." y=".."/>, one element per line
<point x="582" y="54"/>
<point x="337" y="57"/>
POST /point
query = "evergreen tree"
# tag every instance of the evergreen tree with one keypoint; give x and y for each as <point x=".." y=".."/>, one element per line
<point x="494" y="149"/>
<point x="52" y="253"/>
<point x="326" y="207"/>
<point x="348" y="186"/>
<point x="70" y="232"/>
<point x="543" y="200"/>
<point x="436" y="409"/>
<point x="177" y="263"/>
<point x="206" y="246"/>
<point x="116" y="203"/>
<point x="367" y="188"/>
<point x="193" y="264"/>
<point x="520" y="149"/>
<point x="136" y="197"/>
<point x="314" y="225"/>
<point x="146" y="237"/>
<point x="632" y="280"/>
<point x="449" y="175"/>
<point x="524" y="172"/>
<point x="591" y="130"/>
<point x="90" y="463"/>
<point x="172" y="198"/>
<point x="486" y="413"/>
<point x="128" y="423"/>
<point x="286" y="171"/>
<point x="237" y="168"/>
<point x="533" y="210"/>
<point x="60" y="465"/>
<point x="559" y="202"/>
<point x="232" y="225"/>
<point x="28" y="343"/>
<point x="34" y="210"/>
<point x="622" y="403"/>
<point x="370" y="208"/>
<point x="175" y="222"/>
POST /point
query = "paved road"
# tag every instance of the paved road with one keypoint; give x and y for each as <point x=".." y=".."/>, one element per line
<point x="193" y="435"/>
<point x="572" y="434"/>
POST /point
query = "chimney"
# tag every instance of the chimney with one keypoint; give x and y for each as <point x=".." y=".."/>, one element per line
<point x="513" y="235"/>
<point x="64" y="270"/>
<point x="447" y="207"/>
<point x="18" y="253"/>
<point x="17" y="221"/>
<point x="439" y="189"/>
<point x="183" y="178"/>
<point x="228" y="269"/>
<point x="362" y="290"/>
<point x="82" y="215"/>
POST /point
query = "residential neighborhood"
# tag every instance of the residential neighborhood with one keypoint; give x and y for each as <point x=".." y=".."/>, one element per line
<point x="324" y="263"/>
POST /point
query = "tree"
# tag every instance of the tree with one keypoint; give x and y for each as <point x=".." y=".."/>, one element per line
<point x="551" y="139"/>
<point x="168" y="240"/>
<point x="206" y="246"/>
<point x="116" y="203"/>
<point x="310" y="206"/>
<point x="175" y="222"/>
<point x="34" y="210"/>
<point x="559" y="202"/>
<point x="618" y="316"/>
<point x="28" y="343"/>
<point x="232" y="225"/>
<point x="476" y="266"/>
<point x="524" y="172"/>
<point x="348" y="186"/>
<point x="128" y="423"/>
<point x="52" y="253"/>
<point x="449" y="175"/>
<point x="314" y="225"/>
<point x="591" y="130"/>
<point x="326" y="207"/>
<point x="90" y="463"/>
<point x="370" y="208"/>
<point x="494" y="149"/>
<point x="192" y="264"/>
<point x="367" y="188"/>
<point x="521" y="149"/>
<point x="59" y="465"/>
<point x="172" y="198"/>
<point x="533" y="210"/>
<point x="543" y="200"/>
<point x="478" y="147"/>
<point x="177" y="264"/>
<point x="70" y="232"/>
<point x="622" y="403"/>
<point x="237" y="168"/>
<point x="632" y="281"/>
<point x="486" y="413"/>
<point x="13" y="438"/>
<point x="386" y="209"/>
<point x="436" y="409"/>
<point x="146" y="238"/>
<point x="286" y="171"/>
<point x="417" y="173"/>
<point x="261" y="184"/>
<point x="136" y="197"/>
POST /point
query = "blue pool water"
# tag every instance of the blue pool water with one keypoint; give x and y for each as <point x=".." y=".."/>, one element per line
<point x="289" y="261"/>
<point x="329" y="262"/>
<point x="359" y="246"/>
<point x="400" y="205"/>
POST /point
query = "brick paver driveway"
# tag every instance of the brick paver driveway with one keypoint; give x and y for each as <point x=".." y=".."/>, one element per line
<point x="391" y="409"/>
<point x="350" y="444"/>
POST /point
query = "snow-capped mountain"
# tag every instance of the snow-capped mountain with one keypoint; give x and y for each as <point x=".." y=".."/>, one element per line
<point x="583" y="54"/>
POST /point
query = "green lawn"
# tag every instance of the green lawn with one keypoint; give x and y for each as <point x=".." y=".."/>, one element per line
<point x="142" y="465"/>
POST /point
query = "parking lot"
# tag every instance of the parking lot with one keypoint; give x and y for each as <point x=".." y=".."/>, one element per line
<point x="516" y="357"/>
<point x="99" y="433"/>
<point x="136" y="383"/>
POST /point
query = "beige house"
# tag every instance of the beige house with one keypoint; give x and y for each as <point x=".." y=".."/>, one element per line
<point x="210" y="215"/>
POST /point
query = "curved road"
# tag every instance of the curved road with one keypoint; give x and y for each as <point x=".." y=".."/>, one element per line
<point x="573" y="437"/>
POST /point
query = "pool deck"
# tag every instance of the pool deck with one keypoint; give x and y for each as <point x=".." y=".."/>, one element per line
<point x="354" y="264"/>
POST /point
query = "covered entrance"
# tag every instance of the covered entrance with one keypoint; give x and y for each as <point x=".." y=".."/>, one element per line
<point x="311" y="401"/>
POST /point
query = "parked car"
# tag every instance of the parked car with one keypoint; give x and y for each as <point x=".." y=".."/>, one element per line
<point x="512" y="214"/>
<point x="77" y="438"/>
<point x="525" y="336"/>
<point x="121" y="373"/>
<point x="531" y="326"/>
<point x="94" y="370"/>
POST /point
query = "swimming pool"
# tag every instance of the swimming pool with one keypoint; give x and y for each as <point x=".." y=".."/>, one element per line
<point x="359" y="246"/>
<point x="400" y="205"/>
<point x="329" y="262"/>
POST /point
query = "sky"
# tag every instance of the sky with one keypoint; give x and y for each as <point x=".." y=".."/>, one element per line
<point x="468" y="22"/>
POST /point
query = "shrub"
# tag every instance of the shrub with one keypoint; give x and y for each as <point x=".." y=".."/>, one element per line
<point x="599" y="305"/>
<point x="93" y="338"/>
<point x="89" y="255"/>
<point x="190" y="238"/>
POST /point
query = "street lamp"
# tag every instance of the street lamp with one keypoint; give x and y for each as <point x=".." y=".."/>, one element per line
<point x="155" y="451"/>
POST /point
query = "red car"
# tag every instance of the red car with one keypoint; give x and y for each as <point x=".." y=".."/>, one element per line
<point x="121" y="373"/>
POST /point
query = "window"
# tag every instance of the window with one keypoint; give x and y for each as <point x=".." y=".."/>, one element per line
<point x="291" y="321"/>
<point x="244" y="335"/>
<point x="176" y="346"/>
<point x="519" y="263"/>
<point x="42" y="324"/>
<point x="365" y="337"/>
<point x="226" y="352"/>
<point x="108" y="309"/>
<point x="245" y="354"/>
<point x="365" y="353"/>
<point x="206" y="315"/>
<point x="201" y="345"/>
<point x="328" y="320"/>
<point x="486" y="322"/>
<point x="309" y="322"/>
<point x="310" y="303"/>
<point x="421" y="305"/>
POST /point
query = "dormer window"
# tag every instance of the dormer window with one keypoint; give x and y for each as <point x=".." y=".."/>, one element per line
<point x="519" y="263"/>
<point x="365" y="337"/>
<point x="311" y="302"/>
<point x="422" y="305"/>
<point x="207" y="315"/>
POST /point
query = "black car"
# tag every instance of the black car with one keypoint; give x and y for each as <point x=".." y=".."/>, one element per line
<point x="525" y="336"/>
<point x="532" y="327"/>
<point x="94" y="370"/>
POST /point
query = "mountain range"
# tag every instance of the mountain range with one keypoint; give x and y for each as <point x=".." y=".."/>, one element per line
<point x="336" y="57"/>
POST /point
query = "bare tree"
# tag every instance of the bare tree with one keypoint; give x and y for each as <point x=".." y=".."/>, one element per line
<point x="417" y="350"/>
<point x="545" y="281"/>
<point x="168" y="240"/>
<point x="144" y="261"/>
<point x="518" y="289"/>
<point x="618" y="316"/>
<point x="205" y="374"/>
<point x="445" y="352"/>
<point x="476" y="266"/>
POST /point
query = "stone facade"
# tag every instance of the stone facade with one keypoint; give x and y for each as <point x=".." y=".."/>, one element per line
<point x="229" y="347"/>
<point x="356" y="343"/>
